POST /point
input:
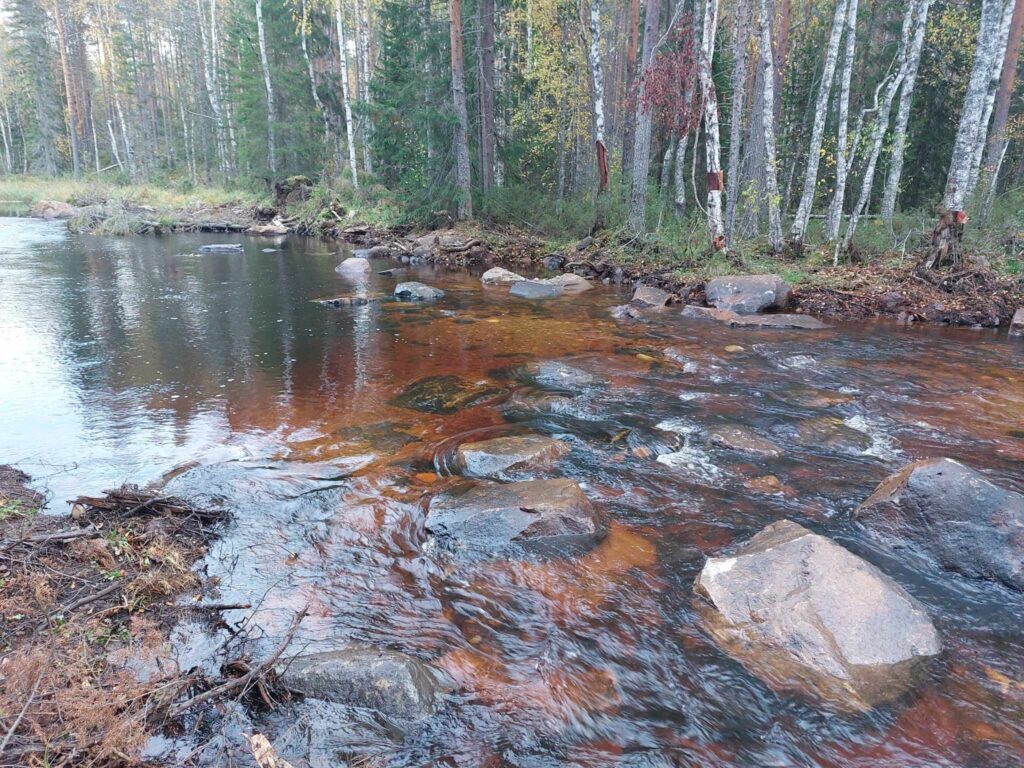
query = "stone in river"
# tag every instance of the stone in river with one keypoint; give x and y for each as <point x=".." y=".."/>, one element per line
<point x="832" y="434"/>
<point x="414" y="291"/>
<point x="743" y="440"/>
<point x="491" y="457"/>
<point x="500" y="276"/>
<point x="53" y="209"/>
<point x="221" y="248"/>
<point x="807" y="616"/>
<point x="354" y="265"/>
<point x="392" y="683"/>
<point x="735" y="319"/>
<point x="1017" y="323"/>
<point x="953" y="514"/>
<point x="570" y="283"/>
<point x="550" y="517"/>
<point x="747" y="294"/>
<point x="811" y="397"/>
<point x="650" y="296"/>
<point x="444" y="394"/>
<point x="553" y="374"/>
<point x="535" y="289"/>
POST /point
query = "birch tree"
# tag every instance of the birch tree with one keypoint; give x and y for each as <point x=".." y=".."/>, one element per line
<point x="346" y="100"/>
<point x="265" y="64"/>
<point x="642" y="127"/>
<point x="740" y="37"/>
<point x="321" y="110"/>
<point x="998" y="140"/>
<point x="835" y="211"/>
<point x="462" y="170"/>
<point x="771" y="187"/>
<point x="899" y="133"/>
<point x="597" y="99"/>
<point x="803" y="212"/>
<point x="712" y="146"/>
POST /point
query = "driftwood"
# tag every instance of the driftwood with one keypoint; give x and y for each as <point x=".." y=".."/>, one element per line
<point x="130" y="500"/>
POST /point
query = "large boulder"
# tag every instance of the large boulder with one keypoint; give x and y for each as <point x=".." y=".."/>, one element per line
<point x="953" y="514"/>
<point x="535" y="289"/>
<point x="1017" y="323"/>
<point x="500" y="276"/>
<point x="570" y="283"/>
<point x="807" y="616"/>
<point x="735" y="319"/>
<point x="650" y="296"/>
<point x="491" y="457"/>
<point x="747" y="294"/>
<point x="392" y="683"/>
<point x="413" y="291"/>
<point x="538" y="516"/>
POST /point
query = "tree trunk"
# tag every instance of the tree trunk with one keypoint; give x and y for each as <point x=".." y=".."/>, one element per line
<point x="679" y="179"/>
<point x="271" y="143"/>
<point x="843" y="151"/>
<point x="74" y="116"/>
<point x="781" y="55"/>
<point x="998" y="140"/>
<point x="486" y="47"/>
<point x="946" y="237"/>
<point x="632" y="46"/>
<point x="303" y="24"/>
<point x="899" y="134"/>
<point x="712" y="146"/>
<point x="350" y="129"/>
<point x="462" y="171"/>
<point x="740" y="39"/>
<point x="642" y="128"/>
<point x="771" y="185"/>
<point x="363" y="80"/>
<point x="597" y="97"/>
<point x="803" y="212"/>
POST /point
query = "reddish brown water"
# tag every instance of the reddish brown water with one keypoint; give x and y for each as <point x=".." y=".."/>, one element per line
<point x="122" y="359"/>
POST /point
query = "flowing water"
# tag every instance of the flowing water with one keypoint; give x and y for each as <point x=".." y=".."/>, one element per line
<point x="122" y="359"/>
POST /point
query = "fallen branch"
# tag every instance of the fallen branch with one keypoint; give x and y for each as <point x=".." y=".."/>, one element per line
<point x="245" y="680"/>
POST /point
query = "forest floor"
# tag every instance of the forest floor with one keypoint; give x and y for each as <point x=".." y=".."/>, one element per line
<point x="879" y="280"/>
<point x="88" y="601"/>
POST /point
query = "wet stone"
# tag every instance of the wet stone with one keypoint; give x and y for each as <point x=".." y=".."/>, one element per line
<point x="445" y="394"/>
<point x="747" y="294"/>
<point x="491" y="457"/>
<point x="650" y="296"/>
<point x="413" y="291"/>
<point x="221" y="248"/>
<point x="737" y="320"/>
<point x="534" y="289"/>
<point x="832" y="434"/>
<point x="500" y="276"/>
<point x="812" y="397"/>
<point x="392" y="683"/>
<point x="350" y="300"/>
<point x="953" y="514"/>
<point x="743" y="440"/>
<point x="547" y="517"/>
<point x="1017" y="323"/>
<point x="354" y="265"/>
<point x="807" y="616"/>
<point x="552" y="374"/>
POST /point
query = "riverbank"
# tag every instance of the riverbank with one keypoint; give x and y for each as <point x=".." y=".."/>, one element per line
<point x="877" y="283"/>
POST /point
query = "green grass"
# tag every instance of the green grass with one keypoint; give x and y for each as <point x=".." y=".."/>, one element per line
<point x="15" y="509"/>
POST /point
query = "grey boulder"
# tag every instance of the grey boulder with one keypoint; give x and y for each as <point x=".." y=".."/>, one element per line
<point x="414" y="291"/>
<point x="953" y="514"/>
<point x="500" y="276"/>
<point x="535" y="289"/>
<point x="354" y="265"/>
<point x="650" y="296"/>
<point x="1017" y="323"/>
<point x="490" y="457"/>
<point x="547" y="517"/>
<point x="735" y="319"/>
<point x="806" y="616"/>
<point x="392" y="683"/>
<point x="747" y="294"/>
<point x="221" y="248"/>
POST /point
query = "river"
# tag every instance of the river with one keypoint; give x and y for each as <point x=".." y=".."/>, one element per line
<point x="124" y="359"/>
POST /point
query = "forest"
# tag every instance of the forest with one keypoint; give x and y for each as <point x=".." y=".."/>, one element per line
<point x="716" y="122"/>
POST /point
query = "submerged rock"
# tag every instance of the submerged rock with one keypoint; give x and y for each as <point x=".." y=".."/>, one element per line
<point x="535" y="289"/>
<point x="747" y="294"/>
<point x="444" y="394"/>
<point x="743" y="440"/>
<point x="553" y="374"/>
<point x="500" y="276"/>
<point x="414" y="291"/>
<point x="390" y="682"/>
<point x="570" y="283"/>
<point x="350" y="300"/>
<point x="354" y="265"/>
<point x="954" y="514"/>
<point x="490" y="457"/>
<point x="221" y="248"/>
<point x="833" y="434"/>
<point x="807" y="616"/>
<point x="551" y="517"/>
<point x="812" y="397"/>
<point x="733" y="318"/>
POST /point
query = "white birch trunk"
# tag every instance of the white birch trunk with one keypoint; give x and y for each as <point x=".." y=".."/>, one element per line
<point x="271" y="142"/>
<point x="597" y="77"/>
<point x="304" y="23"/>
<point x="363" y="66"/>
<point x="881" y="123"/>
<point x="680" y="175"/>
<point x="771" y="181"/>
<point x="835" y="211"/>
<point x="345" y="98"/>
<point x="741" y="34"/>
<point x="959" y="182"/>
<point x="899" y="139"/>
<point x="803" y="212"/>
<point x="712" y="146"/>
